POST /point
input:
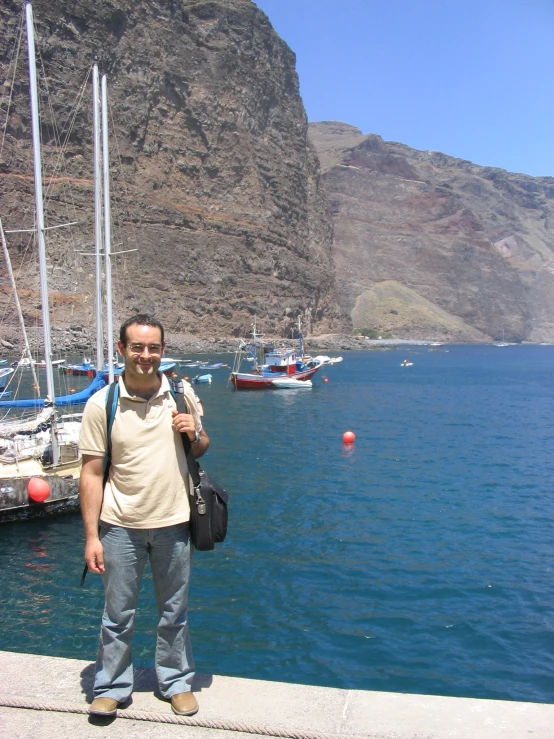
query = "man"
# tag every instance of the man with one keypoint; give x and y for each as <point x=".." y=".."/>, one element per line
<point x="142" y="513"/>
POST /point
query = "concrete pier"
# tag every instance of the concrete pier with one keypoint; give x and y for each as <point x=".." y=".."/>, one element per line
<point x="56" y="692"/>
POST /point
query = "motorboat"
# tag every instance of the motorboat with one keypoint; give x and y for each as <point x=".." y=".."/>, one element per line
<point x="202" y="378"/>
<point x="277" y="362"/>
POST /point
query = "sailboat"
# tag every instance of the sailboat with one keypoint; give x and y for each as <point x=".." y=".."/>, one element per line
<point x="503" y="342"/>
<point x="40" y="462"/>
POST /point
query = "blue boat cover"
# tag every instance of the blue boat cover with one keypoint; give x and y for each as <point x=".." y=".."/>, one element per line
<point x="79" y="398"/>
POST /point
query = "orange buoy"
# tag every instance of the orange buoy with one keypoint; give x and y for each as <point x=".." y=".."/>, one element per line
<point x="186" y="377"/>
<point x="349" y="437"/>
<point x="325" y="379"/>
<point x="174" y="374"/>
<point x="38" y="489"/>
<point x="72" y="390"/>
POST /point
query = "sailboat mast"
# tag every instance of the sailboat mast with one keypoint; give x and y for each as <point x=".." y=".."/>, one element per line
<point x="97" y="216"/>
<point x="39" y="204"/>
<point x="18" y="307"/>
<point x="107" y="226"/>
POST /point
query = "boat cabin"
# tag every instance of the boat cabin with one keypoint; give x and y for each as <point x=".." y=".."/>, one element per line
<point x="281" y="360"/>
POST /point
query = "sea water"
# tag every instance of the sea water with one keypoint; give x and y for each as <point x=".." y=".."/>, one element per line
<point x="419" y="559"/>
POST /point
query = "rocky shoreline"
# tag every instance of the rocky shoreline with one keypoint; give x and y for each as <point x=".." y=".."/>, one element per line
<point x="77" y="340"/>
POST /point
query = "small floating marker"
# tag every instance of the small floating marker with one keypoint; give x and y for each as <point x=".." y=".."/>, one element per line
<point x="325" y="379"/>
<point x="349" y="437"/>
<point x="38" y="489"/>
<point x="186" y="377"/>
<point x="72" y="390"/>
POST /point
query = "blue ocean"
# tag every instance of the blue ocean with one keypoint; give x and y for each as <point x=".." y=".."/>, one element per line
<point x="419" y="559"/>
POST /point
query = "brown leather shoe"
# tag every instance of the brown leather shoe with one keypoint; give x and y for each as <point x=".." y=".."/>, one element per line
<point x="103" y="707"/>
<point x="184" y="704"/>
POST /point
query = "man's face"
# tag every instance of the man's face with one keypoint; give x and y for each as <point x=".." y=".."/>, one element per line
<point x="143" y="351"/>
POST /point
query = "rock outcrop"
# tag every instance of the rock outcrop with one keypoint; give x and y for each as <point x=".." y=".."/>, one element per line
<point x="429" y="246"/>
<point x="214" y="179"/>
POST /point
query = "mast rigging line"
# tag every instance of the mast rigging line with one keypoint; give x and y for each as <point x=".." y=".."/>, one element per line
<point x="46" y="228"/>
<point x="16" y="54"/>
<point x="67" y="127"/>
<point x="61" y="142"/>
<point x="119" y="193"/>
<point x="112" y="253"/>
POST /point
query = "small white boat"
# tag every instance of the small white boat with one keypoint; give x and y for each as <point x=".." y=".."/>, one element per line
<point x="405" y="363"/>
<point x="290" y="382"/>
<point x="55" y="363"/>
<point x="202" y="378"/>
<point x="5" y="372"/>
<point x="25" y="362"/>
<point x="324" y="359"/>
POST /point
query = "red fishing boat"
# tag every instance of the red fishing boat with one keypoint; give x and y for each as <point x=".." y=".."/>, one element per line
<point x="276" y="363"/>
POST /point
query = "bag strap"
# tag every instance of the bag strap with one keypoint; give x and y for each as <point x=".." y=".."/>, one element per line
<point x="178" y="392"/>
<point x="112" y="397"/>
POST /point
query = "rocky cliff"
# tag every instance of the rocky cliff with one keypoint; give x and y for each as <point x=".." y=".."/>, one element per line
<point x="214" y="179"/>
<point x="427" y="245"/>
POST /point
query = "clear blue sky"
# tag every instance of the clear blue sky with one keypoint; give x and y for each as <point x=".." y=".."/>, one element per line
<point x="471" y="78"/>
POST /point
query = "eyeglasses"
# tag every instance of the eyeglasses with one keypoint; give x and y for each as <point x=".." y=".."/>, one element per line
<point x="139" y="348"/>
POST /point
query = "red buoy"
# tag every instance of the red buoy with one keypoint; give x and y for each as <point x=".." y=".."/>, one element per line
<point x="325" y="379"/>
<point x="38" y="489"/>
<point x="349" y="437"/>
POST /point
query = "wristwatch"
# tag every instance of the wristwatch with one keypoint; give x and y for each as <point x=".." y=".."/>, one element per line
<point x="196" y="438"/>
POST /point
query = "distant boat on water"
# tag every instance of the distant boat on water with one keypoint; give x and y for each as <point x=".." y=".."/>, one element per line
<point x="277" y="362"/>
<point x="503" y="342"/>
<point x="202" y="379"/>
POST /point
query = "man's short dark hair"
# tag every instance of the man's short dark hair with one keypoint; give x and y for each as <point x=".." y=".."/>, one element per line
<point x="141" y="319"/>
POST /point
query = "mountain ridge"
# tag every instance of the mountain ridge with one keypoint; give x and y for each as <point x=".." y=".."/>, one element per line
<point x="476" y="242"/>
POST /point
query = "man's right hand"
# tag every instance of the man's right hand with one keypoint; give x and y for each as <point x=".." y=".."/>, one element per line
<point x="94" y="556"/>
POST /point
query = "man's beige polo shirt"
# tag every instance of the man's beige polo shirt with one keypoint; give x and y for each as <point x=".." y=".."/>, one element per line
<point x="146" y="488"/>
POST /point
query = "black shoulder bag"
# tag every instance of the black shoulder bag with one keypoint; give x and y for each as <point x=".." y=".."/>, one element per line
<point x="208" y="500"/>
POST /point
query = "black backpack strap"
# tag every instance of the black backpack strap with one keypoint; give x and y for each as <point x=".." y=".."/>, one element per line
<point x="112" y="397"/>
<point x="178" y="393"/>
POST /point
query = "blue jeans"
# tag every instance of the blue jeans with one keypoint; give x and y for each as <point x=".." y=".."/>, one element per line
<point x="125" y="554"/>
